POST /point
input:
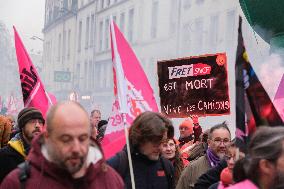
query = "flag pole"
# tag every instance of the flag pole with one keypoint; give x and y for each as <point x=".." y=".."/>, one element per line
<point x="128" y="151"/>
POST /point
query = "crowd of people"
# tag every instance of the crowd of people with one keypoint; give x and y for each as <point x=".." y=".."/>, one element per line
<point x="62" y="150"/>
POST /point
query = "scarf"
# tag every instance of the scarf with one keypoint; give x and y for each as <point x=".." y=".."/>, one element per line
<point x="213" y="159"/>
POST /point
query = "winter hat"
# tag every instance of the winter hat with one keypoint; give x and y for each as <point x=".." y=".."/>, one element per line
<point x="187" y="123"/>
<point x="27" y="114"/>
<point x="226" y="177"/>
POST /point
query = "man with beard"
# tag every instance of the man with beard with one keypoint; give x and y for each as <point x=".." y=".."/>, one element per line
<point x="219" y="138"/>
<point x="263" y="167"/>
<point x="62" y="156"/>
<point x="30" y="122"/>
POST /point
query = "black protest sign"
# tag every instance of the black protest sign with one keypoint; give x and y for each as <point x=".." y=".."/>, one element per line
<point x="194" y="86"/>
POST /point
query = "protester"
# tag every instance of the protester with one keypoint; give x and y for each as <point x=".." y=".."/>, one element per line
<point x="95" y="119"/>
<point x="222" y="172"/>
<point x="151" y="170"/>
<point x="5" y="130"/>
<point x="170" y="150"/>
<point x="197" y="129"/>
<point x="62" y="156"/>
<point x="30" y="122"/>
<point x="263" y="167"/>
<point x="186" y="138"/>
<point x="218" y="141"/>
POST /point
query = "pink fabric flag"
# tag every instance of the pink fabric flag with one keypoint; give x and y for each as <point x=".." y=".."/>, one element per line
<point x="132" y="91"/>
<point x="279" y="98"/>
<point x="34" y="94"/>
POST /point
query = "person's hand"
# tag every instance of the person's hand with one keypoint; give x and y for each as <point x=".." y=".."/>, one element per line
<point x="194" y="119"/>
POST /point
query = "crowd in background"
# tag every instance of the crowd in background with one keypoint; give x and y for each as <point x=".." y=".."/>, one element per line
<point x="62" y="150"/>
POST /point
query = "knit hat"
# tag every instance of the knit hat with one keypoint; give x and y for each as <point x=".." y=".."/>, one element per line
<point x="27" y="114"/>
<point x="187" y="123"/>
<point x="226" y="177"/>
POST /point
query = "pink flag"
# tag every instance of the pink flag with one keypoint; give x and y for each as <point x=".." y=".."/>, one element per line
<point x="279" y="99"/>
<point x="34" y="94"/>
<point x="133" y="93"/>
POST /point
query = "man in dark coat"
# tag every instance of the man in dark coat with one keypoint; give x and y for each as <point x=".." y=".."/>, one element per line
<point x="63" y="157"/>
<point x="30" y="122"/>
<point x="151" y="170"/>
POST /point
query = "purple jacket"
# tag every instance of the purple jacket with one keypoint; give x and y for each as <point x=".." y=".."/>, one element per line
<point x="47" y="175"/>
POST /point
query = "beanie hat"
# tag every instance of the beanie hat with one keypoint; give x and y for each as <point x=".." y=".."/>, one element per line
<point x="187" y="123"/>
<point x="226" y="177"/>
<point x="27" y="114"/>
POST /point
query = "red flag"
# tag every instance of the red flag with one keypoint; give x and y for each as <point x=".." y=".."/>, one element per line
<point x="132" y="90"/>
<point x="34" y="94"/>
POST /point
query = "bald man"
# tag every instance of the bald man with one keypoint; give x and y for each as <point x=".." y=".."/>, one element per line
<point x="63" y="157"/>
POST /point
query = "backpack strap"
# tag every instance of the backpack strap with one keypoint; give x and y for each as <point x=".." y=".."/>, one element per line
<point x="24" y="173"/>
<point x="166" y="165"/>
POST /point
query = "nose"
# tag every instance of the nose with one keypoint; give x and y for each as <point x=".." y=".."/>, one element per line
<point x="76" y="146"/>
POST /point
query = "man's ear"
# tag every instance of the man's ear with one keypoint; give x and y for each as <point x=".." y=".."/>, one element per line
<point x="266" y="167"/>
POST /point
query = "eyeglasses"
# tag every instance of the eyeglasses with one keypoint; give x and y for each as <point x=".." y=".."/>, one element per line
<point x="225" y="141"/>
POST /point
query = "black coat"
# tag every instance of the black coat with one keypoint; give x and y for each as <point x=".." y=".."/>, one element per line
<point x="211" y="176"/>
<point x="9" y="160"/>
<point x="148" y="174"/>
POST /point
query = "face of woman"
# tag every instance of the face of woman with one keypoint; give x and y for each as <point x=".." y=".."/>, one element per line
<point x="168" y="149"/>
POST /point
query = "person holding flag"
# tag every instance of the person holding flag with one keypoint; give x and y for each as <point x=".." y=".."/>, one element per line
<point x="151" y="170"/>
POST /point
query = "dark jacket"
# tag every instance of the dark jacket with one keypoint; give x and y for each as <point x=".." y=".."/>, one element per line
<point x="47" y="175"/>
<point x="12" y="155"/>
<point x="211" y="176"/>
<point x="148" y="174"/>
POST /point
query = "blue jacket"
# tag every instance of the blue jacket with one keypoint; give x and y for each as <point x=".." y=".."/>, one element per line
<point x="148" y="174"/>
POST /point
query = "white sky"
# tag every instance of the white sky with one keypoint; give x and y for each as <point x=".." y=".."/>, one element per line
<point x="28" y="18"/>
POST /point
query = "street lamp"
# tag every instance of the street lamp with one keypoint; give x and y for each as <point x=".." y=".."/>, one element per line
<point x="36" y="37"/>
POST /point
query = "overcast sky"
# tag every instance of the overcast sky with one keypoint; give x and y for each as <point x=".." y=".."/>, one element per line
<point x="28" y="18"/>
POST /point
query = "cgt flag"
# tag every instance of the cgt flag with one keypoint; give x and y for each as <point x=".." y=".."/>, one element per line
<point x="34" y="94"/>
<point x="132" y="91"/>
<point x="253" y="105"/>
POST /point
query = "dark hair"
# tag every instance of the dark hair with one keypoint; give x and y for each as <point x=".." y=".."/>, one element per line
<point x="218" y="126"/>
<point x="266" y="143"/>
<point x="149" y="126"/>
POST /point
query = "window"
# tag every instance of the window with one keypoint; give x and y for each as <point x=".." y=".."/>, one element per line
<point x="64" y="46"/>
<point x="107" y="2"/>
<point x="122" y="22"/>
<point x="130" y="25"/>
<point x="101" y="36"/>
<point x="230" y="27"/>
<point x="154" y="24"/>
<point x="91" y="74"/>
<point x="68" y="45"/>
<point x="59" y="47"/>
<point x="102" y="4"/>
<point x="174" y="17"/>
<point x="108" y="74"/>
<point x="213" y="39"/>
<point x="198" y="34"/>
<point x="186" y="40"/>
<point x="92" y="30"/>
<point x="80" y="36"/>
<point x="187" y="4"/>
<point x="87" y="32"/>
<point x="107" y="34"/>
<point x="86" y="75"/>
<point x="114" y="18"/>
